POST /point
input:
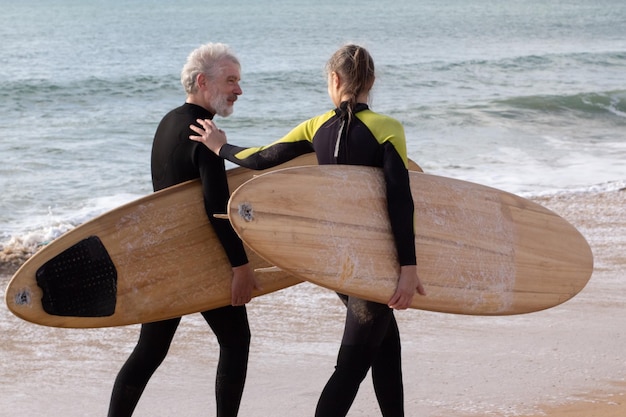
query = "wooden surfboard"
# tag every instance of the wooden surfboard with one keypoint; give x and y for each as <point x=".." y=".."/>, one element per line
<point x="480" y="251"/>
<point x="152" y="259"/>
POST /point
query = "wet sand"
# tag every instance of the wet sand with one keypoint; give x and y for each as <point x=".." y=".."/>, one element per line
<point x="568" y="361"/>
<point x="592" y="405"/>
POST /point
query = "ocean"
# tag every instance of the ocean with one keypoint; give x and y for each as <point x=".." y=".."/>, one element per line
<point x="526" y="96"/>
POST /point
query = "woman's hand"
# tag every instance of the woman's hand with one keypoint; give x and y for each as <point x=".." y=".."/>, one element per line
<point x="408" y="284"/>
<point x="212" y="137"/>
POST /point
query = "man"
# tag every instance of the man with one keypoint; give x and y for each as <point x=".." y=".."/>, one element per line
<point x="211" y="80"/>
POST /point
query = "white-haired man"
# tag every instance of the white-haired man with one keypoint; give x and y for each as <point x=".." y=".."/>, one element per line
<point x="211" y="78"/>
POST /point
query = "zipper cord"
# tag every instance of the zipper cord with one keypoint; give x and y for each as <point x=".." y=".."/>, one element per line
<point x="339" y="135"/>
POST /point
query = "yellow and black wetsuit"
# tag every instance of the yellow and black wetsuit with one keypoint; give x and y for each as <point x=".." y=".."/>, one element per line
<point x="370" y="139"/>
<point x="371" y="338"/>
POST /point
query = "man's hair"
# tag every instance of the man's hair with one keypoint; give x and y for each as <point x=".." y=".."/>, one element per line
<point x="205" y="60"/>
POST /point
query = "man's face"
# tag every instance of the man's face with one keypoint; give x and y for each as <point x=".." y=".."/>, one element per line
<point x="225" y="89"/>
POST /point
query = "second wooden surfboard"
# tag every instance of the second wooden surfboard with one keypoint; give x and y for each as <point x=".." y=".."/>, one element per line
<point x="480" y="251"/>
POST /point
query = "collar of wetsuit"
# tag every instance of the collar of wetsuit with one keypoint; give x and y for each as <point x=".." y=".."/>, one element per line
<point x="342" y="110"/>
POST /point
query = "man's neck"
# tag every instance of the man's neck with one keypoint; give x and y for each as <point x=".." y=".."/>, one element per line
<point x="191" y="99"/>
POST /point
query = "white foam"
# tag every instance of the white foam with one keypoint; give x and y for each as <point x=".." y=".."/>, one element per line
<point x="27" y="236"/>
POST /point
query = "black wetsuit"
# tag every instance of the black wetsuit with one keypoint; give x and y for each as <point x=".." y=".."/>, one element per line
<point x="371" y="337"/>
<point x="176" y="159"/>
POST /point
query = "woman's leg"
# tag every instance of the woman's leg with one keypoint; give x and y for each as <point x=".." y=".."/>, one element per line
<point x="387" y="373"/>
<point x="365" y="328"/>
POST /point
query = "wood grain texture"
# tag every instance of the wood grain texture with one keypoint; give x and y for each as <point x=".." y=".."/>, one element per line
<point x="481" y="251"/>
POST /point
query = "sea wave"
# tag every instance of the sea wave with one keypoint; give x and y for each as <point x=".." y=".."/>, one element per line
<point x="38" y="91"/>
<point x="567" y="113"/>
<point x="532" y="62"/>
<point x="593" y="104"/>
<point x="17" y="247"/>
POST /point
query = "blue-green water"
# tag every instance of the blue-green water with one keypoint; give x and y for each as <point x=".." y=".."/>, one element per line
<point x="529" y="97"/>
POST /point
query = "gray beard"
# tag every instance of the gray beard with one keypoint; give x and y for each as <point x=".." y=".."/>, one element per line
<point x="221" y="106"/>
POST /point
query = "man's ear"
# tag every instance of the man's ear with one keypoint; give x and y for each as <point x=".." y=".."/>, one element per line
<point x="201" y="80"/>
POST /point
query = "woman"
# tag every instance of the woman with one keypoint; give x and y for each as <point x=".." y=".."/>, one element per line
<point x="352" y="134"/>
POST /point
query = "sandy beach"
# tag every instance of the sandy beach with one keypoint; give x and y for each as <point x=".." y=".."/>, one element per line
<point x="567" y="361"/>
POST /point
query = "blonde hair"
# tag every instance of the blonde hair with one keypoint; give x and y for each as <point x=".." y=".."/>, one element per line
<point x="355" y="66"/>
<point x="205" y="60"/>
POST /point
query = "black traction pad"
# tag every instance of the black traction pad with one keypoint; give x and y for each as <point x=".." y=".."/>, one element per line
<point x="81" y="281"/>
